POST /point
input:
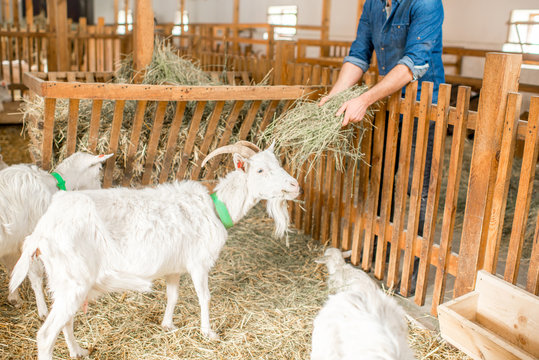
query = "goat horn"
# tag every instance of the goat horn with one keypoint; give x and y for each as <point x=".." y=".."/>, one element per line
<point x="244" y="148"/>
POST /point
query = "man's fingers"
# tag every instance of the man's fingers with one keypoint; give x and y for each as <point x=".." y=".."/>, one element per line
<point x="346" y="119"/>
<point x="341" y="109"/>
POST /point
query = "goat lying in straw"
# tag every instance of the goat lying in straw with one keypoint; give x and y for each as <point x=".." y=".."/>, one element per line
<point x="360" y="320"/>
<point x="25" y="194"/>
<point x="94" y="242"/>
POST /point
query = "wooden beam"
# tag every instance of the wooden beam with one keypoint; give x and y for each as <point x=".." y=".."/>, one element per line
<point x="143" y="34"/>
<point x="16" y="20"/>
<point x="52" y="62"/>
<point x="6" y="11"/>
<point x="116" y="9"/>
<point x="126" y="9"/>
<point x="502" y="72"/>
<point x="182" y="10"/>
<point x="236" y="21"/>
<point x="61" y="35"/>
<point x="324" y="35"/>
<point x="29" y="13"/>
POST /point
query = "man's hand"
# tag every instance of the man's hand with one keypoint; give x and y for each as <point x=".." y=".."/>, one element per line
<point x="354" y="110"/>
<point x="324" y="100"/>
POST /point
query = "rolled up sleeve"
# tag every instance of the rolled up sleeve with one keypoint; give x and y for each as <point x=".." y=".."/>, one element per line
<point x="361" y="50"/>
<point x="425" y="30"/>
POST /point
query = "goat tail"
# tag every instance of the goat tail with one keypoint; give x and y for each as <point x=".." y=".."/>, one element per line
<point x="30" y="249"/>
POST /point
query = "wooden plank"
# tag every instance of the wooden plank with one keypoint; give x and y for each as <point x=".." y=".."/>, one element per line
<point x="435" y="184"/>
<point x="143" y="35"/>
<point x="387" y="188"/>
<point x="92" y="66"/>
<point x="532" y="284"/>
<point x="298" y="209"/>
<point x="268" y="115"/>
<point x="416" y="188"/>
<point x="61" y="35"/>
<point x="501" y="76"/>
<point x="172" y="141"/>
<point x="249" y="119"/>
<point x="318" y="201"/>
<point x="225" y="137"/>
<point x="190" y="141"/>
<point x="109" y="51"/>
<point x="524" y="195"/>
<point x="72" y="122"/>
<point x="451" y="196"/>
<point x="113" y="142"/>
<point x="348" y="200"/>
<point x="402" y="181"/>
<point x="209" y="137"/>
<point x="134" y="141"/>
<point x="97" y="105"/>
<point x="100" y="44"/>
<point x="501" y="186"/>
<point x="373" y="192"/>
<point x="327" y="204"/>
<point x="309" y="197"/>
<point x="153" y="142"/>
<point x="335" y="216"/>
<point x="48" y="133"/>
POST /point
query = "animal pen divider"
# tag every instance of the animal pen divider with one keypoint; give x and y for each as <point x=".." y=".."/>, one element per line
<point x="342" y="207"/>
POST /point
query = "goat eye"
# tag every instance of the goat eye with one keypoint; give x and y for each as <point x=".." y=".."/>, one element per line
<point x="260" y="171"/>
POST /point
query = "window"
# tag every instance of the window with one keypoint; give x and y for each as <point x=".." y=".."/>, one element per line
<point x="177" y="29"/>
<point x="523" y="36"/>
<point x="283" y="15"/>
<point x="122" y="19"/>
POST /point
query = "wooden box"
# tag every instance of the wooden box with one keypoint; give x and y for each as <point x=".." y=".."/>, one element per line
<point x="496" y="321"/>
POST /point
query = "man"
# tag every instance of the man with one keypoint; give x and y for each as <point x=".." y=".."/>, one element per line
<point x="407" y="38"/>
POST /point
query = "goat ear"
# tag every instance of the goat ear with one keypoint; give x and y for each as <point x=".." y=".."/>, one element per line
<point x="99" y="159"/>
<point x="321" y="260"/>
<point x="240" y="162"/>
<point x="346" y="254"/>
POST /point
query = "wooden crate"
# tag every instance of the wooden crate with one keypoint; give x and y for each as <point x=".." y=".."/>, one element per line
<point x="496" y="321"/>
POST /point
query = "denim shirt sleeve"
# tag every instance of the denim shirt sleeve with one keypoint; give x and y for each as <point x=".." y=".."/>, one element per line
<point x="425" y="25"/>
<point x="361" y="50"/>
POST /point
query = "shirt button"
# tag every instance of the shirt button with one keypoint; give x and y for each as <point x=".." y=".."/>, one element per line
<point x="383" y="67"/>
<point x="382" y="49"/>
<point x="398" y="26"/>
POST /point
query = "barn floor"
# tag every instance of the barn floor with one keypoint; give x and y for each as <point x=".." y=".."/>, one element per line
<point x="264" y="299"/>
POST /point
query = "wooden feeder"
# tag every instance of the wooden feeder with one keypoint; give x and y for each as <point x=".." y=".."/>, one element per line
<point x="496" y="321"/>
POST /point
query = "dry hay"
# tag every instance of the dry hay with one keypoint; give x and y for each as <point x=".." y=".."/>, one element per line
<point x="308" y="130"/>
<point x="166" y="67"/>
<point x="264" y="299"/>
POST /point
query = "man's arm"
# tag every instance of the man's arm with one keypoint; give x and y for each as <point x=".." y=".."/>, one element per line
<point x="354" y="110"/>
<point x="350" y="75"/>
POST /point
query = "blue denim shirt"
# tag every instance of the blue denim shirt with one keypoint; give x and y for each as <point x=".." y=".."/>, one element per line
<point x="412" y="35"/>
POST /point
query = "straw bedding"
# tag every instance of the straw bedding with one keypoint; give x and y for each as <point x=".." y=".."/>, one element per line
<point x="264" y="299"/>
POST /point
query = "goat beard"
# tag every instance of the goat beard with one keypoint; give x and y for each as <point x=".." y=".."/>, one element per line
<point x="278" y="211"/>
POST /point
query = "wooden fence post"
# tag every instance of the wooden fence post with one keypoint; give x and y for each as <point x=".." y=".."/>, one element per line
<point x="61" y="35"/>
<point x="143" y="34"/>
<point x="52" y="63"/>
<point x="502" y="72"/>
<point x="283" y="54"/>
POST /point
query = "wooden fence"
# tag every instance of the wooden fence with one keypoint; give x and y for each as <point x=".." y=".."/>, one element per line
<point x="360" y="207"/>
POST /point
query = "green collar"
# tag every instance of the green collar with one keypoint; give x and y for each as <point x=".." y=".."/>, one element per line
<point x="60" y="182"/>
<point x="222" y="211"/>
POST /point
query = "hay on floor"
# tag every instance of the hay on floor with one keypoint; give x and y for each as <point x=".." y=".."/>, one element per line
<point x="264" y="299"/>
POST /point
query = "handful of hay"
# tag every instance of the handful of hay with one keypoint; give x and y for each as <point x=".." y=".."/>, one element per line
<point x="311" y="130"/>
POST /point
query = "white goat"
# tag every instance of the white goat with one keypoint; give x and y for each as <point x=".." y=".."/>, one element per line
<point x="25" y="193"/>
<point x="3" y="165"/>
<point x="360" y="321"/>
<point x="93" y="242"/>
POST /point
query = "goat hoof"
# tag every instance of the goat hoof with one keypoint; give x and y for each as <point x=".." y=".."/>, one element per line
<point x="80" y="353"/>
<point x="169" y="327"/>
<point x="16" y="302"/>
<point x="210" y="334"/>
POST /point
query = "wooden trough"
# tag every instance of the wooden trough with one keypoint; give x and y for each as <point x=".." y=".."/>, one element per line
<point x="496" y="321"/>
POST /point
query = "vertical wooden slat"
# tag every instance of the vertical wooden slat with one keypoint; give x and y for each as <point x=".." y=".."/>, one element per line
<point x="387" y="188"/>
<point x="113" y="143"/>
<point x="326" y="211"/>
<point x="407" y="109"/>
<point x="91" y="49"/>
<point x="435" y="184"/>
<point x="94" y="125"/>
<point x="72" y="122"/>
<point x="109" y="50"/>
<point x="209" y="136"/>
<point x="533" y="271"/>
<point x="10" y="57"/>
<point x="416" y="189"/>
<point x="298" y="211"/>
<point x="171" y="141"/>
<point x="348" y="199"/>
<point x="309" y="197"/>
<point x="319" y="196"/>
<point x="249" y="119"/>
<point x="100" y="46"/>
<point x="501" y="187"/>
<point x="134" y="141"/>
<point x="373" y="193"/>
<point x="61" y="35"/>
<point x="451" y="196"/>
<point x="190" y="141"/>
<point x="336" y="209"/>
<point x="268" y="115"/>
<point x="83" y="50"/>
<point x="153" y="142"/>
<point x="229" y="126"/>
<point x="524" y="195"/>
<point x="501" y="75"/>
<point x="48" y="133"/>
